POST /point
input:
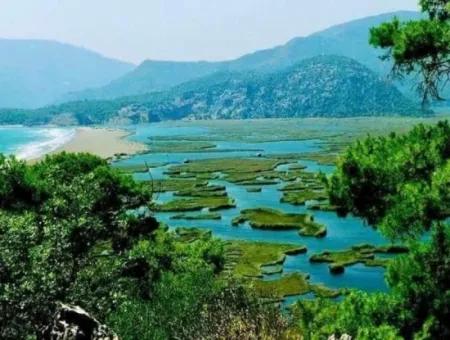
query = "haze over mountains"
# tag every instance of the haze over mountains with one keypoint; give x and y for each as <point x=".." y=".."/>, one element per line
<point x="34" y="73"/>
<point x="291" y="80"/>
<point x="349" y="39"/>
<point x="322" y="86"/>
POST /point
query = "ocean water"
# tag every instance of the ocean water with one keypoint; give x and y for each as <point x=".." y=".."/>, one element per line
<point x="32" y="142"/>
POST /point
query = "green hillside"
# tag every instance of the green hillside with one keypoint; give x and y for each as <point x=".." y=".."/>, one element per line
<point x="326" y="86"/>
<point x="349" y="39"/>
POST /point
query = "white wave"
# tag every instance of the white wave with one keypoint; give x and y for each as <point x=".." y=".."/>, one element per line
<point x="52" y="139"/>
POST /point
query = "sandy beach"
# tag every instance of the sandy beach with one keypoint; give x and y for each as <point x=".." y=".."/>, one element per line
<point x="102" y="142"/>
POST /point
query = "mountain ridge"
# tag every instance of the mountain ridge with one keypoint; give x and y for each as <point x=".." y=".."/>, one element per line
<point x="322" y="86"/>
<point x="343" y="39"/>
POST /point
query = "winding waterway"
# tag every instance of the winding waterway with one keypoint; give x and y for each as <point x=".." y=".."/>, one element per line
<point x="342" y="233"/>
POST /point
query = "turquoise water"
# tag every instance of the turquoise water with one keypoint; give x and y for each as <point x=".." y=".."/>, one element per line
<point x="32" y="142"/>
<point x="342" y="232"/>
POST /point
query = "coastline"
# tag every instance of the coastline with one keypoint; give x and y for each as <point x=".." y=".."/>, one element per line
<point x="102" y="142"/>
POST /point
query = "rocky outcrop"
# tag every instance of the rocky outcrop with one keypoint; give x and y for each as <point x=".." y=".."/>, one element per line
<point x="74" y="323"/>
<point x="343" y="337"/>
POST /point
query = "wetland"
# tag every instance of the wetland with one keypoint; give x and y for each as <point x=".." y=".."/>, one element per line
<point x="258" y="187"/>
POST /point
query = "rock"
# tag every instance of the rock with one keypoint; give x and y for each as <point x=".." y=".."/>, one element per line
<point x="74" y="323"/>
<point x="296" y="251"/>
<point x="343" y="337"/>
<point x="336" y="269"/>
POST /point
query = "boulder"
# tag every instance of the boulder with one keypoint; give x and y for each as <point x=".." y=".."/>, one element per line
<point x="336" y="269"/>
<point x="343" y="337"/>
<point x="74" y="323"/>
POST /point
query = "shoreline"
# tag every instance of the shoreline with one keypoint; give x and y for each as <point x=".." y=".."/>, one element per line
<point x="102" y="142"/>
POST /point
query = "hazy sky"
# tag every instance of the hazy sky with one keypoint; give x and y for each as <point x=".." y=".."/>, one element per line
<point x="134" y="30"/>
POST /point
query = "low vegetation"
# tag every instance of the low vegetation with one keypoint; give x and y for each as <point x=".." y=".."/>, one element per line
<point x="302" y="196"/>
<point x="201" y="216"/>
<point x="75" y="230"/>
<point x="287" y="285"/>
<point x="247" y="258"/>
<point x="263" y="218"/>
<point x="253" y="260"/>
<point x="197" y="203"/>
<point x="227" y="165"/>
<point x="182" y="146"/>
<point x="365" y="254"/>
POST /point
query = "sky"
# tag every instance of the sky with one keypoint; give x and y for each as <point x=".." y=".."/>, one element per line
<point x="135" y="30"/>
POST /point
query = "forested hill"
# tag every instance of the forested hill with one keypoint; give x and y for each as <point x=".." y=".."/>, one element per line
<point x="326" y="86"/>
<point x="349" y="39"/>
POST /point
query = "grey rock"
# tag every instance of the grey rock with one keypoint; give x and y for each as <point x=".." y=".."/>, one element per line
<point x="74" y="323"/>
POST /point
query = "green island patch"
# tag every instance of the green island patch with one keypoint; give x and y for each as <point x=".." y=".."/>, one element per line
<point x="139" y="168"/>
<point x="246" y="259"/>
<point x="225" y="165"/>
<point x="192" y="234"/>
<point x="201" y="216"/>
<point x="321" y="206"/>
<point x="196" y="203"/>
<point x="292" y="285"/>
<point x="179" y="146"/>
<point x="263" y="218"/>
<point x="297" y="166"/>
<point x="365" y="254"/>
<point x="287" y="285"/>
<point x="323" y="158"/>
<point x="254" y="189"/>
<point x="175" y="185"/>
<point x="302" y="196"/>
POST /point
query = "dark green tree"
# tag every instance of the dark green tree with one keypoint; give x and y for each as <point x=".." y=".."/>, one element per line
<point x="401" y="184"/>
<point x="420" y="47"/>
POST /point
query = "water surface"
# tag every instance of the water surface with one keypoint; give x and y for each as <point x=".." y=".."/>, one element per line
<point x="342" y="232"/>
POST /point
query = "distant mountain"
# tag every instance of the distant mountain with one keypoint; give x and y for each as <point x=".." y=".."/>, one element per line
<point x="34" y="73"/>
<point x="150" y="76"/>
<point x="328" y="86"/>
<point x="323" y="86"/>
<point x="349" y="39"/>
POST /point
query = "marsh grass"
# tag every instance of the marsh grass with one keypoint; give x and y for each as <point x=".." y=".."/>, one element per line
<point x="201" y="216"/>
<point x="196" y="203"/>
<point x="302" y="196"/>
<point x="365" y="254"/>
<point x="247" y="258"/>
<point x="270" y="219"/>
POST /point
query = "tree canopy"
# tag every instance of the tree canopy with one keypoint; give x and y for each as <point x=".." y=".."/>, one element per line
<point x="420" y="46"/>
<point x="77" y="231"/>
<point x="400" y="184"/>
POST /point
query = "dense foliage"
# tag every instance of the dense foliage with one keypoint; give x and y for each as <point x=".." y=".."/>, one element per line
<point x="74" y="230"/>
<point x="421" y="46"/>
<point x="399" y="183"/>
<point x="417" y="307"/>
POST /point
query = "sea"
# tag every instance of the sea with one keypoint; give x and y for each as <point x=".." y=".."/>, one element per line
<point x="32" y="142"/>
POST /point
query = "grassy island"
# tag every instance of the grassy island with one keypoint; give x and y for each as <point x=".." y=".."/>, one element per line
<point x="301" y="197"/>
<point x="196" y="203"/>
<point x="247" y="258"/>
<point x="200" y="216"/>
<point x="271" y="219"/>
<point x="365" y="254"/>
